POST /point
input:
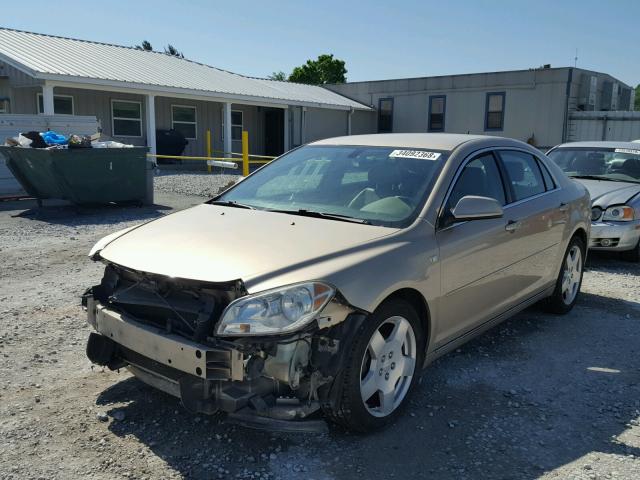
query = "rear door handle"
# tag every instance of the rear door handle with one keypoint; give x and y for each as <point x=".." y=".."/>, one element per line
<point x="512" y="226"/>
<point x="563" y="207"/>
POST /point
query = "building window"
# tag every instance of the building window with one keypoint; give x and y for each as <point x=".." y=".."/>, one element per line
<point x="127" y="118"/>
<point x="62" y="104"/>
<point x="183" y="119"/>
<point x="494" y="117"/>
<point x="236" y="125"/>
<point x="385" y="115"/>
<point x="437" y="107"/>
<point x="4" y="105"/>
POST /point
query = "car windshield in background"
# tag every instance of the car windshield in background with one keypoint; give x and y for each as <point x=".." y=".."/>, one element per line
<point x="618" y="164"/>
<point x="376" y="185"/>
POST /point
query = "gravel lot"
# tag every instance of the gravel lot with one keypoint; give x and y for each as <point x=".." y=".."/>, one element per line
<point x="539" y="396"/>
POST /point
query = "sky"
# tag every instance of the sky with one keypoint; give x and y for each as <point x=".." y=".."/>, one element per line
<point x="376" y="39"/>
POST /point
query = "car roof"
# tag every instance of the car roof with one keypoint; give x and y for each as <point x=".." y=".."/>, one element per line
<point x="630" y="145"/>
<point x="435" y="141"/>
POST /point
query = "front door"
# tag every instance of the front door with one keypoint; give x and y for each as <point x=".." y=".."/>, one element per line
<point x="475" y="256"/>
<point x="274" y="132"/>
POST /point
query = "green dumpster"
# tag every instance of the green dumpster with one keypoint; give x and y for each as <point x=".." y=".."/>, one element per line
<point x="84" y="176"/>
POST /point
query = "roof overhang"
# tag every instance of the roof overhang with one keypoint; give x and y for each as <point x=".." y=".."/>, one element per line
<point x="88" y="83"/>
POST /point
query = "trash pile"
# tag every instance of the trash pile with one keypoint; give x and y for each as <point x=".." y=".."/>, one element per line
<point x="51" y="140"/>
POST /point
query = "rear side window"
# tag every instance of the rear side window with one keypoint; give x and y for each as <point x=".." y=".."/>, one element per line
<point x="523" y="174"/>
<point x="479" y="177"/>
<point x="548" y="180"/>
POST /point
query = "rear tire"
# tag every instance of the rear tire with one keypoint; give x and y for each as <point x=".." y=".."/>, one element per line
<point x="569" y="281"/>
<point x="632" y="255"/>
<point x="385" y="359"/>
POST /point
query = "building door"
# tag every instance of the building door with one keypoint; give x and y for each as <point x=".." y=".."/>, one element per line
<point x="273" y="131"/>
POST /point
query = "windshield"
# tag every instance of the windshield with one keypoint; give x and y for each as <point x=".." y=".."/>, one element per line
<point x="377" y="185"/>
<point x="618" y="164"/>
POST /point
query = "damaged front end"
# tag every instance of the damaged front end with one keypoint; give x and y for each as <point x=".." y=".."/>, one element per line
<point x="200" y="342"/>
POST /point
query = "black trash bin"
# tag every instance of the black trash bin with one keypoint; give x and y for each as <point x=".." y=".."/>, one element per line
<point x="170" y="142"/>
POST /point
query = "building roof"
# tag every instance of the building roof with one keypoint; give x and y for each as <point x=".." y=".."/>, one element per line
<point x="63" y="59"/>
<point x="435" y="141"/>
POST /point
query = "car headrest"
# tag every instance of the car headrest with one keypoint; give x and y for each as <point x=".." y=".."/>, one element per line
<point x="593" y="163"/>
<point x="515" y="169"/>
<point x="631" y="167"/>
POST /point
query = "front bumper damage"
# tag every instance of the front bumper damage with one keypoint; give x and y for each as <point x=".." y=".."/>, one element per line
<point x="267" y="382"/>
<point x="614" y="236"/>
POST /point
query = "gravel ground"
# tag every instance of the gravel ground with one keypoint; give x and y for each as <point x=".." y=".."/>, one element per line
<point x="193" y="183"/>
<point x="539" y="396"/>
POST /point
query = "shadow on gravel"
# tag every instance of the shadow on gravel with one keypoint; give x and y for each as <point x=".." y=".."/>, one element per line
<point x="72" y="215"/>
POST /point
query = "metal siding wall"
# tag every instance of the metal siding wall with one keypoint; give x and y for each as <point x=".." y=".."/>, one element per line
<point x="535" y="102"/>
<point x="325" y="123"/>
<point x="619" y="126"/>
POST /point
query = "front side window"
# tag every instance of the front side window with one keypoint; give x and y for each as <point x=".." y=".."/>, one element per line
<point x="494" y="115"/>
<point x="523" y="174"/>
<point x="437" y="105"/>
<point x="380" y="185"/>
<point x="385" y="115"/>
<point x="62" y="104"/>
<point x="183" y="119"/>
<point x="616" y="164"/>
<point x="127" y="118"/>
<point x="480" y="177"/>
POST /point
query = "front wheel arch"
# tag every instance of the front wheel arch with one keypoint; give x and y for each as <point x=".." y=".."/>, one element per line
<point x="417" y="301"/>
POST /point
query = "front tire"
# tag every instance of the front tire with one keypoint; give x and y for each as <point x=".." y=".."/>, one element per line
<point x="569" y="281"/>
<point x="382" y="368"/>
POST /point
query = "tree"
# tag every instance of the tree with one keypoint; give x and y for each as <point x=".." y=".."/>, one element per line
<point x="325" y="69"/>
<point x="145" y="46"/>
<point x="281" y="76"/>
<point x="637" y="101"/>
<point x="173" y="51"/>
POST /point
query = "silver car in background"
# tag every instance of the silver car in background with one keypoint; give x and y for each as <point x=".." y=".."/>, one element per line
<point x="611" y="173"/>
<point x="325" y="281"/>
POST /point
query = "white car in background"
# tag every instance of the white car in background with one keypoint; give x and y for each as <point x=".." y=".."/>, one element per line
<point x="611" y="173"/>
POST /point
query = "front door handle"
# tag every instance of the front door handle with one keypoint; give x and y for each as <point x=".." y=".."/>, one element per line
<point x="512" y="226"/>
<point x="563" y="207"/>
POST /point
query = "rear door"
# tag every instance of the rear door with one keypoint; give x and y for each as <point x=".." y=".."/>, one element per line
<point x="475" y="256"/>
<point x="535" y="219"/>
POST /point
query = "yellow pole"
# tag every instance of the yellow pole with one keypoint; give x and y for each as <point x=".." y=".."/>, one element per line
<point x="245" y="153"/>
<point x="208" y="148"/>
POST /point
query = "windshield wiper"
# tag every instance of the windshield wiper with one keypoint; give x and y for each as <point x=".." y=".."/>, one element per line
<point x="600" y="177"/>
<point x="329" y="216"/>
<point x="230" y="203"/>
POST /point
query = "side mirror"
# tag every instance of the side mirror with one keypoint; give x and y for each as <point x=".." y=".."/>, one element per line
<point x="471" y="207"/>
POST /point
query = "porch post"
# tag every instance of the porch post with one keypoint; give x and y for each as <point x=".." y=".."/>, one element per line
<point x="227" y="147"/>
<point x="150" y="120"/>
<point x="47" y="99"/>
<point x="286" y="130"/>
<point x="349" y="121"/>
<point x="303" y="125"/>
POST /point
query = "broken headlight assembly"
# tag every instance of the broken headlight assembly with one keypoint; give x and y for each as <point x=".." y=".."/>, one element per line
<point x="277" y="311"/>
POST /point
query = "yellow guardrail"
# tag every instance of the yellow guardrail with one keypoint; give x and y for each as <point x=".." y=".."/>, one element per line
<point x="224" y="162"/>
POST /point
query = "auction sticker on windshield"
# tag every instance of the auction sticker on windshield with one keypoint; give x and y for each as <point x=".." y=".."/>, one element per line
<point x="626" y="150"/>
<point x="415" y="154"/>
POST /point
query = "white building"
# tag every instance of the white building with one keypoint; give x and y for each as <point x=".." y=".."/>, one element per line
<point x="134" y="92"/>
<point x="530" y="105"/>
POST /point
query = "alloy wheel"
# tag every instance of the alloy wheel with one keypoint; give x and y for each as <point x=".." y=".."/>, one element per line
<point x="572" y="275"/>
<point x="388" y="366"/>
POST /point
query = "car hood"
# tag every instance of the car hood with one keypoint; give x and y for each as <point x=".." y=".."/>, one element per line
<point x="605" y="193"/>
<point x="218" y="244"/>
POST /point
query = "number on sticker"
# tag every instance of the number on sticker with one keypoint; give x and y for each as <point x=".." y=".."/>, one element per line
<point x="414" y="154"/>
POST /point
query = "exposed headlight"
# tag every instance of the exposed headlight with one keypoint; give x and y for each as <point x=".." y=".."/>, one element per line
<point x="620" y="213"/>
<point x="277" y="311"/>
